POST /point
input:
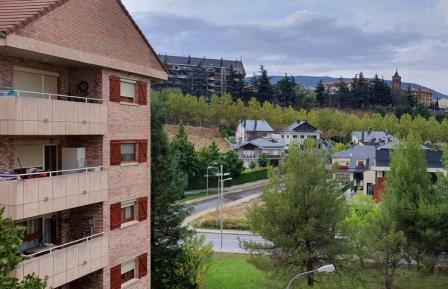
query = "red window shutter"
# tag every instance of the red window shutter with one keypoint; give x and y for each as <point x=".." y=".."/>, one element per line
<point x="143" y="151"/>
<point x="115" y="153"/>
<point x="115" y="216"/>
<point x="142" y="92"/>
<point x="142" y="208"/>
<point x="115" y="277"/>
<point x="143" y="265"/>
<point x="114" y="88"/>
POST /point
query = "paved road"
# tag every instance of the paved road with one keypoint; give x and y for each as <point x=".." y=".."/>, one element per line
<point x="231" y="243"/>
<point x="213" y="203"/>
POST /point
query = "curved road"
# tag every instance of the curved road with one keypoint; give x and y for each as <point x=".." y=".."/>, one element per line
<point x="231" y="242"/>
<point x="201" y="206"/>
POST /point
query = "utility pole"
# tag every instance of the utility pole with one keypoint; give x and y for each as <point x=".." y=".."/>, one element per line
<point x="221" y="181"/>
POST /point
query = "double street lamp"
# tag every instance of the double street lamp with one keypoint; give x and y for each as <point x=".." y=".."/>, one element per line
<point x="326" y="268"/>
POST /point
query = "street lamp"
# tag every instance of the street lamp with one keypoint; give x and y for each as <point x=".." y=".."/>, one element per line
<point x="210" y="167"/>
<point x="326" y="268"/>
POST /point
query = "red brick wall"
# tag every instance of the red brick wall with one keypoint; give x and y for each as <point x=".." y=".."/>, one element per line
<point x="97" y="27"/>
<point x="6" y="155"/>
<point x="126" y="122"/>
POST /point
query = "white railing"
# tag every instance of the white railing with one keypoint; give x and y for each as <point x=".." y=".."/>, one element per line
<point x="52" y="249"/>
<point x="18" y="93"/>
<point x="44" y="174"/>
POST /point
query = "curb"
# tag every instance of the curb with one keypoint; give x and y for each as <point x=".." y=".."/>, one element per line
<point x="225" y="232"/>
<point x="252" y="186"/>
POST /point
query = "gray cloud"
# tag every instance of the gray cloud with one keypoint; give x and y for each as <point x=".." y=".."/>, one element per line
<point x="302" y="43"/>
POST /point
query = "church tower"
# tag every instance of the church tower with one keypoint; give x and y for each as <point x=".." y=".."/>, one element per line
<point x="396" y="88"/>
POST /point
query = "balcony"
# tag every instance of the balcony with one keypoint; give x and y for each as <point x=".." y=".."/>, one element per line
<point x="35" y="113"/>
<point x="62" y="264"/>
<point x="30" y="195"/>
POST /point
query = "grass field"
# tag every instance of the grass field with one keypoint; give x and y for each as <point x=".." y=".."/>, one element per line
<point x="232" y="271"/>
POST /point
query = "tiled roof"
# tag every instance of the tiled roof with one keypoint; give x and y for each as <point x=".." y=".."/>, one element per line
<point x="206" y="62"/>
<point x="356" y="153"/>
<point x="263" y="144"/>
<point x="15" y="14"/>
<point x="255" y="125"/>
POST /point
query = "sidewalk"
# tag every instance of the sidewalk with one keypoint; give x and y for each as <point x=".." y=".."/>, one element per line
<point x="228" y="191"/>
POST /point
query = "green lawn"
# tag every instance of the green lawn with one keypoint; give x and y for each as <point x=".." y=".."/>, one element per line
<point x="232" y="271"/>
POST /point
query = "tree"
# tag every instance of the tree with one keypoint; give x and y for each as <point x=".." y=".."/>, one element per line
<point x="284" y="90"/>
<point x="321" y="94"/>
<point x="167" y="186"/>
<point x="359" y="91"/>
<point x="236" y="84"/>
<point x="298" y="216"/>
<point x="195" y="261"/>
<point x="263" y="161"/>
<point x="343" y="92"/>
<point x="11" y="236"/>
<point x="232" y="163"/>
<point x="264" y="87"/>
<point x="305" y="97"/>
<point x="207" y="156"/>
<point x="422" y="111"/>
<point x="184" y="150"/>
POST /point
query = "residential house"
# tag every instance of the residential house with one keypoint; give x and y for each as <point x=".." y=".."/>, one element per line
<point x="250" y="151"/>
<point x="355" y="164"/>
<point x="250" y="129"/>
<point x="300" y="131"/>
<point x="371" y="137"/>
<point x="75" y="80"/>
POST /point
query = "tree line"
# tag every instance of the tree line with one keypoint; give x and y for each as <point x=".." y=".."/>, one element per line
<point x="223" y="111"/>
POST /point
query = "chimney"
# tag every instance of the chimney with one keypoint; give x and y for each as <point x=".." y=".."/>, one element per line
<point x="244" y="123"/>
<point x="370" y="130"/>
<point x="189" y="59"/>
<point x="255" y="126"/>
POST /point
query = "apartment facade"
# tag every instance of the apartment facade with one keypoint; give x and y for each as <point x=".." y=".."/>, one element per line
<point x="209" y="75"/>
<point x="75" y="78"/>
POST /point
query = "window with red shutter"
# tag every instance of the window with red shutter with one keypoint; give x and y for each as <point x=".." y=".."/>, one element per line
<point x="114" y="88"/>
<point x="115" y="277"/>
<point x="142" y="93"/>
<point x="142" y="208"/>
<point x="115" y="216"/>
<point x="143" y="265"/>
<point x="115" y="153"/>
<point x="143" y="151"/>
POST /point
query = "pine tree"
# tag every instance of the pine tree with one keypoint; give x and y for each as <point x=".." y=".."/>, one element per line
<point x="167" y="186"/>
<point x="343" y="92"/>
<point x="321" y="94"/>
<point x="298" y="216"/>
<point x="236" y="84"/>
<point x="184" y="150"/>
<point x="264" y="87"/>
<point x="284" y="90"/>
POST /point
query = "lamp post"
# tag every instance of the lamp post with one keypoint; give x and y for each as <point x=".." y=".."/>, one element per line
<point x="326" y="268"/>
<point x="221" y="181"/>
<point x="209" y="167"/>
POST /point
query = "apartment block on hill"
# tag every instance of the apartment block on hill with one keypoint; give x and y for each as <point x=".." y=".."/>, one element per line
<point x="75" y="78"/>
<point x="208" y="75"/>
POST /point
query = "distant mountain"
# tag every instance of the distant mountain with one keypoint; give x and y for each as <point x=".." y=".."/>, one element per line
<point x="311" y="81"/>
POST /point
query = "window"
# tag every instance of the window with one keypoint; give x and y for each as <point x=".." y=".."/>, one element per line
<point x="33" y="80"/>
<point x="302" y="136"/>
<point x="128" y="271"/>
<point x="360" y="164"/>
<point x="128" y="152"/>
<point x="342" y="176"/>
<point x="127" y="90"/>
<point x="127" y="211"/>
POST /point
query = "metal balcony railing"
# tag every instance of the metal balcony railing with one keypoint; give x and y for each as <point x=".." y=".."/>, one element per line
<point x="44" y="174"/>
<point x="54" y="96"/>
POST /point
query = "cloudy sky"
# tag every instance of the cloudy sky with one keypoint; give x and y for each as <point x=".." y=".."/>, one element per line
<point x="306" y="37"/>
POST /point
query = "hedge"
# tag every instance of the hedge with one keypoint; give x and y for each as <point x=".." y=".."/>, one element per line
<point x="200" y="183"/>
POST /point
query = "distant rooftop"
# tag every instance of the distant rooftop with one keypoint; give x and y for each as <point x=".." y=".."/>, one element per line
<point x="373" y="137"/>
<point x="255" y="125"/>
<point x="195" y="61"/>
<point x="357" y="152"/>
<point x="300" y="126"/>
<point x="263" y="143"/>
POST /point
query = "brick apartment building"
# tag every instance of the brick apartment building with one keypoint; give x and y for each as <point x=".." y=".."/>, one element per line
<point x="188" y="73"/>
<point x="75" y="79"/>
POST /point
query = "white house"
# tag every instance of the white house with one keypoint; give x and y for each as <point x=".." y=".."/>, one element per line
<point x="300" y="131"/>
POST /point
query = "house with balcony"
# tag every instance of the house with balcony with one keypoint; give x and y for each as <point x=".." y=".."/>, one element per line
<point x="250" y="129"/>
<point x="300" y="131"/>
<point x="354" y="164"/>
<point x="74" y="140"/>
<point x="251" y="151"/>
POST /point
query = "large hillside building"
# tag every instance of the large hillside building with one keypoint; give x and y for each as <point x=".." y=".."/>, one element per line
<point x="201" y="74"/>
<point x="75" y="78"/>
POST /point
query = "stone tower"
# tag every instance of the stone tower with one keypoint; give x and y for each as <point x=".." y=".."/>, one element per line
<point x="396" y="88"/>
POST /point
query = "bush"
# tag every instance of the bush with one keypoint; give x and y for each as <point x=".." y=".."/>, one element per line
<point x="227" y="224"/>
<point x="200" y="183"/>
<point x="263" y="161"/>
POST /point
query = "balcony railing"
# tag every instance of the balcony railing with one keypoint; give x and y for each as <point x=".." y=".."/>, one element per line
<point x="44" y="95"/>
<point x="34" y="194"/>
<point x="36" y="113"/>
<point x="65" y="263"/>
